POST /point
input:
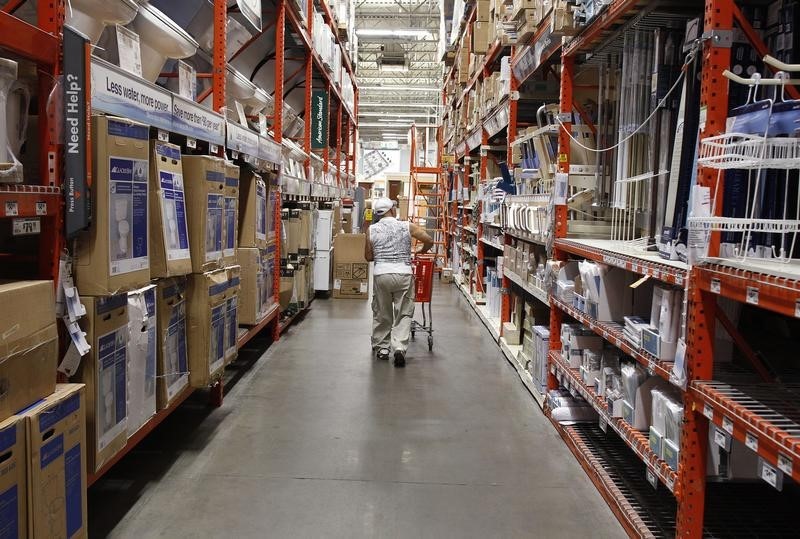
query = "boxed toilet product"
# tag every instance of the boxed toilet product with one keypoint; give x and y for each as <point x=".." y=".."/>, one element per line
<point x="172" y="359"/>
<point x="113" y="255"/>
<point x="350" y="268"/>
<point x="205" y="197"/>
<point x="253" y="295"/>
<point x="208" y="296"/>
<point x="231" y="229"/>
<point x="253" y="226"/>
<point x="142" y="357"/>
<point x="13" y="479"/>
<point x="232" y="313"/>
<point x="28" y="344"/>
<point x="104" y="371"/>
<point x="56" y="461"/>
<point x="169" y="232"/>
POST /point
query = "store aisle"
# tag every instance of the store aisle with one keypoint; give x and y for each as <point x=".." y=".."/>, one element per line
<point x="320" y="440"/>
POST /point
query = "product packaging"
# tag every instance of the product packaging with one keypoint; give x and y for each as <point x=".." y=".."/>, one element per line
<point x="205" y="196"/>
<point x="172" y="367"/>
<point x="142" y="357"/>
<point x="169" y="232"/>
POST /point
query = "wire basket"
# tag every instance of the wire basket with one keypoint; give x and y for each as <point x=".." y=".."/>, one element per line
<point x="743" y="151"/>
<point x="423" y="279"/>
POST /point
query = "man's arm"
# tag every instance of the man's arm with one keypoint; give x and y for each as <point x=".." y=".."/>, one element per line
<point x="419" y="234"/>
<point x="368" y="255"/>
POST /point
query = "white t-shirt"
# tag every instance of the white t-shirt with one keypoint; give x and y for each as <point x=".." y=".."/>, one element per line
<point x="391" y="246"/>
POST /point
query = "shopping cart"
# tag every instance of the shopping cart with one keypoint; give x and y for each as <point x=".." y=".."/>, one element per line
<point x="423" y="290"/>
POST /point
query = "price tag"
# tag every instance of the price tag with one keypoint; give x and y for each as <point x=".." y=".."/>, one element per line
<point x="213" y="149"/>
<point x="234" y="154"/>
<point x="708" y="411"/>
<point x="716" y="286"/>
<point x="752" y="295"/>
<point x="26" y="227"/>
<point x="751" y="441"/>
<point x="651" y="366"/>
<point x="41" y="208"/>
<point x="785" y="464"/>
<point x="652" y="478"/>
<point x="191" y="143"/>
<point x="727" y="424"/>
<point x="769" y="474"/>
<point x="656" y="274"/>
<point x="12" y="209"/>
<point x="671" y="483"/>
<point x="679" y="280"/>
<point x="722" y="439"/>
<point x="635" y="268"/>
<point x="553" y="370"/>
<point x="163" y="136"/>
<point x="603" y="424"/>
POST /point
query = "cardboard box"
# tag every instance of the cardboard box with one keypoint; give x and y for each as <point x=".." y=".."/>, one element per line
<point x="447" y="275"/>
<point x="56" y="461"/>
<point x="347" y="220"/>
<point x="232" y="313"/>
<point x="482" y="10"/>
<point x="114" y="254"/>
<point x="350" y="268"/>
<point x="230" y="231"/>
<point x="169" y="231"/>
<point x="28" y="344"/>
<point x="292" y="226"/>
<point x="402" y="208"/>
<point x="253" y="217"/>
<point x="252" y="305"/>
<point x="104" y="371"/>
<point x="172" y="364"/>
<point x="13" y="479"/>
<point x="323" y="274"/>
<point x="305" y="238"/>
<point x="205" y="197"/>
<point x="286" y="291"/>
<point x="301" y="285"/>
<point x="142" y="357"/>
<point x="208" y="295"/>
<point x="323" y="240"/>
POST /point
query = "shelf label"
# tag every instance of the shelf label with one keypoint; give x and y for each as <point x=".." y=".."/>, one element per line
<point x="752" y="295"/>
<point x="193" y="120"/>
<point x="191" y="143"/>
<point x="722" y="439"/>
<point x="603" y="424"/>
<point x="269" y="150"/>
<point x="708" y="411"/>
<point x="634" y="267"/>
<point x="12" y="208"/>
<point x="242" y="140"/>
<point x="751" y="441"/>
<point x="679" y="279"/>
<point x="785" y="464"/>
<point x="727" y="424"/>
<point x="656" y="274"/>
<point x="716" y="286"/>
<point x="26" y="226"/>
<point x="670" y="483"/>
<point x="117" y="92"/>
<point x="163" y="136"/>
<point x="772" y="476"/>
<point x="652" y="478"/>
<point x="651" y="366"/>
<point x="41" y="208"/>
<point x="213" y="149"/>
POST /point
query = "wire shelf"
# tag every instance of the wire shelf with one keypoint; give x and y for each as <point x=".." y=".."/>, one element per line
<point x="743" y="151"/>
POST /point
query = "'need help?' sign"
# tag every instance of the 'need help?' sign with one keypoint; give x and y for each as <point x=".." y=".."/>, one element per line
<point x="319" y="119"/>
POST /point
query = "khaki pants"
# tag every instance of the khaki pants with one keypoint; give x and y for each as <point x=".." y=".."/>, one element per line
<point x="392" y="311"/>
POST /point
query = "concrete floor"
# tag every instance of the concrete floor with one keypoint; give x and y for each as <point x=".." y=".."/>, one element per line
<point x="318" y="439"/>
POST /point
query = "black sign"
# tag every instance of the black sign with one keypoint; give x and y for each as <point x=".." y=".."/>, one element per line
<point x="77" y="168"/>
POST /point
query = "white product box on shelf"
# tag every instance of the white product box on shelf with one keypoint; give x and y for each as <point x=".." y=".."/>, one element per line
<point x="142" y="356"/>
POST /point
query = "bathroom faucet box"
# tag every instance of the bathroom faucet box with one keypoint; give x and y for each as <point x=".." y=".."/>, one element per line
<point x="142" y="357"/>
<point x="13" y="478"/>
<point x="231" y="228"/>
<point x="169" y="231"/>
<point x="207" y="295"/>
<point x="172" y="363"/>
<point x="56" y="461"/>
<point x="253" y="227"/>
<point x="232" y="313"/>
<point x="113" y="255"/>
<point x="28" y="344"/>
<point x="205" y="195"/>
<point x="104" y="370"/>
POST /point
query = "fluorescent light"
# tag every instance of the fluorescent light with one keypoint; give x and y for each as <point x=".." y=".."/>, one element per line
<point x="400" y="105"/>
<point x="397" y="114"/>
<point x="396" y="87"/>
<point x="402" y="32"/>
<point x="379" y="124"/>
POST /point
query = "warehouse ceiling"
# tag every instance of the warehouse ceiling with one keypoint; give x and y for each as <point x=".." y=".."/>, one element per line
<point x="399" y="70"/>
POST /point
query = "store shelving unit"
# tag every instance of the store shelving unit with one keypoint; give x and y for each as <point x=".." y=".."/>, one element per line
<point x="761" y="413"/>
<point x="43" y="44"/>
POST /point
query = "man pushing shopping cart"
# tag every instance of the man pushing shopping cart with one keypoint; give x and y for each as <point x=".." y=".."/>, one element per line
<point x="389" y="246"/>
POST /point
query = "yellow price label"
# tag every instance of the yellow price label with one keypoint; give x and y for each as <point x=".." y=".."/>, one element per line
<point x="368" y="214"/>
<point x="562" y="158"/>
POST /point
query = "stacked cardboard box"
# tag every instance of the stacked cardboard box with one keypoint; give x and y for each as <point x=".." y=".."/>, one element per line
<point x="350" y="268"/>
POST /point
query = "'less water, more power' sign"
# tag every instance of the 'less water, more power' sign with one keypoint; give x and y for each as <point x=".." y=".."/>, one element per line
<point x="319" y="119"/>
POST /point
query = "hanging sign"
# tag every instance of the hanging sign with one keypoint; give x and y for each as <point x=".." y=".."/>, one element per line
<point x="77" y="172"/>
<point x="319" y="119"/>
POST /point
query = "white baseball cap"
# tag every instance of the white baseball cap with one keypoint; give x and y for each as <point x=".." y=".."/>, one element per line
<point x="382" y="205"/>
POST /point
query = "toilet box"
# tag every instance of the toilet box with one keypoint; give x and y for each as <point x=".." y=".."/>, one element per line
<point x="207" y="295"/>
<point x="205" y="194"/>
<point x="231" y="228"/>
<point x="13" y="479"/>
<point x="172" y="363"/>
<point x="113" y="255"/>
<point x="253" y="226"/>
<point x="169" y="232"/>
<point x="142" y="357"/>
<point x="232" y="313"/>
